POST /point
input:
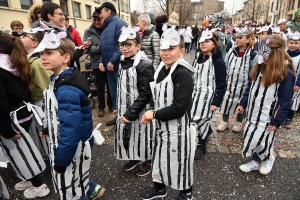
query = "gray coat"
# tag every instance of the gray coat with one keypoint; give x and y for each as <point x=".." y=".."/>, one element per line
<point x="94" y="51"/>
<point x="150" y="45"/>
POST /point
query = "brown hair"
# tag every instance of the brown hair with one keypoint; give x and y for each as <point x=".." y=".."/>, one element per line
<point x="13" y="46"/>
<point x="34" y="10"/>
<point x="181" y="44"/>
<point x="38" y="36"/>
<point x="275" y="69"/>
<point x="66" y="46"/>
<point x="215" y="40"/>
<point x="15" y="23"/>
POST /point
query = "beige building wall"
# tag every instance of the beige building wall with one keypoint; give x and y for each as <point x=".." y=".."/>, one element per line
<point x="15" y="12"/>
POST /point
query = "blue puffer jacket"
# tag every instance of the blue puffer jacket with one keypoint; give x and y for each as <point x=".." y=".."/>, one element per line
<point x="109" y="41"/>
<point x="75" y="115"/>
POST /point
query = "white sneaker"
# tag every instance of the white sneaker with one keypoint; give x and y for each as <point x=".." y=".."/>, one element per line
<point x="23" y="185"/>
<point x="237" y="127"/>
<point x="266" y="166"/>
<point x="33" y="192"/>
<point x="250" y="166"/>
<point x="223" y="126"/>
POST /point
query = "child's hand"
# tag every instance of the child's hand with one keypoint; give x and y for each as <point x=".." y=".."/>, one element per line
<point x="213" y="108"/>
<point x="239" y="109"/>
<point x="17" y="136"/>
<point x="272" y="128"/>
<point x="43" y="135"/>
<point x="115" y="112"/>
<point x="124" y="119"/>
<point x="147" y="117"/>
<point x="296" y="88"/>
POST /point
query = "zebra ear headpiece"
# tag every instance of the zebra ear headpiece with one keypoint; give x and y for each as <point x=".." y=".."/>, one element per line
<point x="32" y="31"/>
<point x="51" y="40"/>
<point x="293" y="36"/>
<point x="264" y="50"/>
<point x="169" y="38"/>
<point x="206" y="35"/>
<point x="243" y="31"/>
<point x="128" y="33"/>
<point x="264" y="29"/>
<point x="276" y="29"/>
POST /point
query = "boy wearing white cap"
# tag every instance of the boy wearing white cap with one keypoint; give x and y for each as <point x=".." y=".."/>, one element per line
<point x="133" y="140"/>
<point x="174" y="140"/>
<point x="281" y="24"/>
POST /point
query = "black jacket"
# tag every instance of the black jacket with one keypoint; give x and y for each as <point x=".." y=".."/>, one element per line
<point x="13" y="91"/>
<point x="220" y="75"/>
<point x="182" y="79"/>
<point x="145" y="75"/>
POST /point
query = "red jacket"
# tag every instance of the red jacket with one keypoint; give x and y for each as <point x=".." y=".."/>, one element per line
<point x="75" y="35"/>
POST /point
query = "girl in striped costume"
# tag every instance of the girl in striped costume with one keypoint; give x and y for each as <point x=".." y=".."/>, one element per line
<point x="133" y="140"/>
<point x="16" y="116"/>
<point x="267" y="101"/>
<point x="209" y="87"/>
<point x="294" y="51"/>
<point x="239" y="62"/>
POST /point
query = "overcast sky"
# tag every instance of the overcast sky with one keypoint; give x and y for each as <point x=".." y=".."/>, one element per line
<point x="230" y="5"/>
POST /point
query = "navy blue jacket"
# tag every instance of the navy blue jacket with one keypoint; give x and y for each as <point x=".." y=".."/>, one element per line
<point x="220" y="75"/>
<point x="109" y="41"/>
<point x="285" y="95"/>
<point x="75" y="115"/>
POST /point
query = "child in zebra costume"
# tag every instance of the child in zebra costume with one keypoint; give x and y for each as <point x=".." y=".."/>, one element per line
<point x="16" y="117"/>
<point x="68" y="122"/>
<point x="41" y="79"/>
<point x="133" y="140"/>
<point x="294" y="51"/>
<point x="267" y="101"/>
<point x="231" y="43"/>
<point x="173" y="141"/>
<point x="239" y="62"/>
<point x="209" y="87"/>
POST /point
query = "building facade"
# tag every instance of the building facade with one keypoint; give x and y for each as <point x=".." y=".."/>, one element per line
<point x="205" y="7"/>
<point x="79" y="11"/>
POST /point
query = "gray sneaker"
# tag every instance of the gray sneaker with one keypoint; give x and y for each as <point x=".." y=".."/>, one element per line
<point x="185" y="196"/>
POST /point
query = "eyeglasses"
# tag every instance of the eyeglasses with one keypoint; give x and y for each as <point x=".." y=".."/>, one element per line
<point x="127" y="44"/>
<point x="58" y="14"/>
<point x="25" y="35"/>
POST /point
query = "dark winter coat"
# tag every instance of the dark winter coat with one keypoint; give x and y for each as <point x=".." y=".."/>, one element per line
<point x="150" y="45"/>
<point x="94" y="51"/>
<point x="145" y="75"/>
<point x="109" y="41"/>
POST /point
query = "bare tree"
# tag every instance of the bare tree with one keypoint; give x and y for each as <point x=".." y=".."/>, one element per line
<point x="145" y="5"/>
<point x="184" y="9"/>
<point x="252" y="10"/>
<point x="167" y="6"/>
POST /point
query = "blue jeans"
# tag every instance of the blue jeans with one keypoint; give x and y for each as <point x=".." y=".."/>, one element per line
<point x="187" y="46"/>
<point x="92" y="185"/>
<point x="112" y="79"/>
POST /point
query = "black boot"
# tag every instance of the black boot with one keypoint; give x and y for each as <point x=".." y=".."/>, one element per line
<point x="112" y="122"/>
<point x="201" y="150"/>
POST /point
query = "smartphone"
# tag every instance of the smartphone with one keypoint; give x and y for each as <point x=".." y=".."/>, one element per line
<point x="89" y="39"/>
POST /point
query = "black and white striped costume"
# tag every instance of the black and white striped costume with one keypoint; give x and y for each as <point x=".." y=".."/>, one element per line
<point x="296" y="98"/>
<point x="204" y="89"/>
<point x="22" y="154"/>
<point x="261" y="106"/>
<point x="133" y="141"/>
<point x="237" y="80"/>
<point x="73" y="184"/>
<point x="174" y="140"/>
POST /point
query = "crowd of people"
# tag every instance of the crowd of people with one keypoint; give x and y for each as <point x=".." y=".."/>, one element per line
<point x="160" y="101"/>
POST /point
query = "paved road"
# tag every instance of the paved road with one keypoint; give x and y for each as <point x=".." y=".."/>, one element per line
<point x="215" y="177"/>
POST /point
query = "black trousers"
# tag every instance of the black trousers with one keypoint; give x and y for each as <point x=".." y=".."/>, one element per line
<point x="100" y="82"/>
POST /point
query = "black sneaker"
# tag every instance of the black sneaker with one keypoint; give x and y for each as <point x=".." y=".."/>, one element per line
<point x="154" y="193"/>
<point x="185" y="196"/>
<point x="112" y="122"/>
<point x="131" y="165"/>
<point x="200" y="152"/>
<point x="144" y="169"/>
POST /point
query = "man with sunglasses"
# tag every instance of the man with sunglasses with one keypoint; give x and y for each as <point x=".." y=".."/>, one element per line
<point x="110" y="51"/>
<point x="93" y="34"/>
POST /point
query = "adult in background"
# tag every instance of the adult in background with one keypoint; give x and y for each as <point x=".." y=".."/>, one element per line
<point x="110" y="51"/>
<point x="152" y="16"/>
<point x="74" y="35"/>
<point x="34" y="16"/>
<point x="159" y="21"/>
<point x="150" y="39"/>
<point x="94" y="33"/>
<point x="187" y="39"/>
<point x="195" y="34"/>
